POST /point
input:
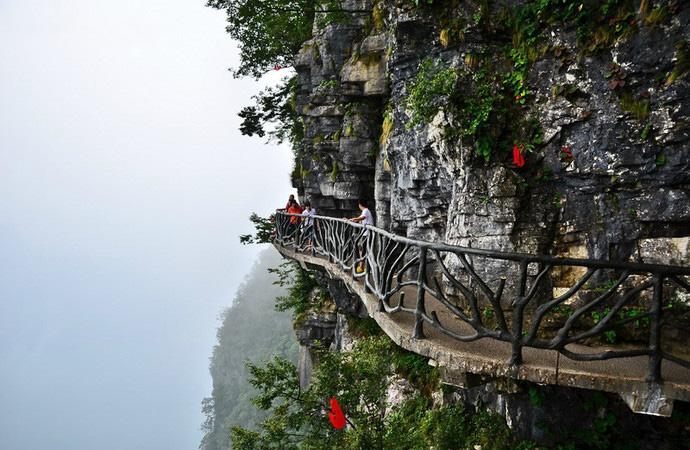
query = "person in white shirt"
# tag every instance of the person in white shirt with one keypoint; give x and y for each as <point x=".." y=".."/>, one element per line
<point x="308" y="213"/>
<point x="308" y="223"/>
<point x="365" y="218"/>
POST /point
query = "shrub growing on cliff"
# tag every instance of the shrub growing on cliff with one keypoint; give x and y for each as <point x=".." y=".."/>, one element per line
<point x="274" y="113"/>
<point x="269" y="32"/>
<point x="359" y="379"/>
<point x="264" y="230"/>
<point x="300" y="284"/>
<point x="430" y="90"/>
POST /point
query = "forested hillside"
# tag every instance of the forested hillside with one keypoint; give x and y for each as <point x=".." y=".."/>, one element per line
<point x="251" y="330"/>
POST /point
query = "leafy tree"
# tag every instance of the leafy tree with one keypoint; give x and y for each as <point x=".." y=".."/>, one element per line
<point x="359" y="380"/>
<point x="298" y="418"/>
<point x="300" y="284"/>
<point x="276" y="107"/>
<point x="264" y="230"/>
<point x="269" y="32"/>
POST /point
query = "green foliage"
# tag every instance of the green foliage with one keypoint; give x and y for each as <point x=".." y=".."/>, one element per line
<point x="636" y="107"/>
<point x="631" y="312"/>
<point x="487" y="111"/>
<point x="655" y="16"/>
<point x="517" y="78"/>
<point x="268" y="33"/>
<point x="598" y="23"/>
<point x="300" y="285"/>
<point x="413" y="425"/>
<point x="489" y="108"/>
<point x="483" y="147"/>
<point x="536" y="396"/>
<point x="363" y="327"/>
<point x="603" y="287"/>
<point x="599" y="437"/>
<point x="660" y="160"/>
<point x="386" y="126"/>
<point x="430" y="90"/>
<point x="478" y="108"/>
<point x="543" y="175"/>
<point x="297" y="418"/>
<point x="359" y="380"/>
<point x="274" y="109"/>
<point x="328" y="85"/>
<point x="290" y="410"/>
<point x="646" y="131"/>
<point x="334" y="172"/>
<point x="416" y="370"/>
<point x="682" y="65"/>
<point x="264" y="230"/>
<point x="333" y="13"/>
<point x="597" y="316"/>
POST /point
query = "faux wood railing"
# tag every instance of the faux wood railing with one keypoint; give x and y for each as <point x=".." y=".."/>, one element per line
<point x="613" y="309"/>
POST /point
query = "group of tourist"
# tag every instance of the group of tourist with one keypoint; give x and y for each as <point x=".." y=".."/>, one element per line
<point x="302" y="219"/>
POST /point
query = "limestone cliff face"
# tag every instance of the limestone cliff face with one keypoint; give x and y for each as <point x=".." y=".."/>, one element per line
<point x="609" y="180"/>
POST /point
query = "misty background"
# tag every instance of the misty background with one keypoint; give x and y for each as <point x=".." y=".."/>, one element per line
<point x="124" y="185"/>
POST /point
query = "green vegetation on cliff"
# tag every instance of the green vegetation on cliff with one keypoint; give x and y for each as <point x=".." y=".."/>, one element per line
<point x="360" y="380"/>
<point x="269" y="32"/>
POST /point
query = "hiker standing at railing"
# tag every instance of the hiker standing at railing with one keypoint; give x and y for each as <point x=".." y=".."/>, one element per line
<point x="293" y="208"/>
<point x="365" y="218"/>
<point x="308" y="224"/>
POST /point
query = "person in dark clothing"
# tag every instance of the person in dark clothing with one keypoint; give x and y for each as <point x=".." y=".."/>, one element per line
<point x="290" y="200"/>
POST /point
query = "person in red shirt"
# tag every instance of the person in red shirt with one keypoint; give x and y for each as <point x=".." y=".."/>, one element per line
<point x="293" y="208"/>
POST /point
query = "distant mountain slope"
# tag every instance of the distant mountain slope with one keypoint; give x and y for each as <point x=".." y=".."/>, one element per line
<point x="251" y="330"/>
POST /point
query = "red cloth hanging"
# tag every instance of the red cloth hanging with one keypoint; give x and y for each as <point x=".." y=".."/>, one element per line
<point x="335" y="415"/>
<point x="518" y="159"/>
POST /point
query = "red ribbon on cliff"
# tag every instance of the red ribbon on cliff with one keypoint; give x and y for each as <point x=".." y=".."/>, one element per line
<point x="518" y="159"/>
<point x="335" y="415"/>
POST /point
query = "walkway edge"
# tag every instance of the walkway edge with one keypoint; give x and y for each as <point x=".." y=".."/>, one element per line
<point x="458" y="362"/>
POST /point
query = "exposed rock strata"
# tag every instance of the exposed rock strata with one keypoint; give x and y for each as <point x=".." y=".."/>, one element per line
<point x="624" y="194"/>
<point x="618" y="188"/>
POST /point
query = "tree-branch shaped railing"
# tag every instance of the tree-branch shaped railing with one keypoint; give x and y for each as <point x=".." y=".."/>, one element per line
<point x="587" y="310"/>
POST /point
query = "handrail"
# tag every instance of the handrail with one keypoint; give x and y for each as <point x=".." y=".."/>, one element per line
<point x="512" y="256"/>
<point x="512" y="297"/>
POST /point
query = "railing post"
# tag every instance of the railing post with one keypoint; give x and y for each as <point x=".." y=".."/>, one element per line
<point x="420" y="309"/>
<point x="354" y="255"/>
<point x="327" y="239"/>
<point x="367" y="236"/>
<point x="279" y="227"/>
<point x="654" y="368"/>
<point x="518" y="308"/>
<point x="314" y="235"/>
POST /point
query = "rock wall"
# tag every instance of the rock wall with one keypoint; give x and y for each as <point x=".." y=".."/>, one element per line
<point x="611" y="172"/>
<point x="608" y="180"/>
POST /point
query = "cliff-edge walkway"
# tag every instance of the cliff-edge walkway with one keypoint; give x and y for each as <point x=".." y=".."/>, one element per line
<point x="610" y="326"/>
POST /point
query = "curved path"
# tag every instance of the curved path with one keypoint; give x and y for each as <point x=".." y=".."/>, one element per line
<point x="488" y="356"/>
